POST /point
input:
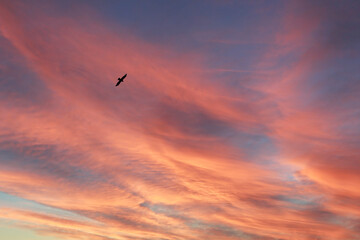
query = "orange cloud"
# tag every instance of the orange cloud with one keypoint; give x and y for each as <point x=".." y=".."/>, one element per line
<point x="169" y="155"/>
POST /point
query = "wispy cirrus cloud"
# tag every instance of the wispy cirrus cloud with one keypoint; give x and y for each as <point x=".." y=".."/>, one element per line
<point x="176" y="153"/>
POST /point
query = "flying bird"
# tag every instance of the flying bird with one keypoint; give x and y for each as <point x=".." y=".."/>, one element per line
<point x="120" y="80"/>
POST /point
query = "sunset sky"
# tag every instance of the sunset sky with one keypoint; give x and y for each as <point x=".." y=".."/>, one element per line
<point x="237" y="120"/>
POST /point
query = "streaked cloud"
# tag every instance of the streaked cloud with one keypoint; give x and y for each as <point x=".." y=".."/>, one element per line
<point x="188" y="147"/>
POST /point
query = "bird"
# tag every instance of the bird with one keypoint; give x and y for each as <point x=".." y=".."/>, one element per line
<point x="120" y="80"/>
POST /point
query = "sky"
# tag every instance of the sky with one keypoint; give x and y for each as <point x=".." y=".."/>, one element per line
<point x="237" y="120"/>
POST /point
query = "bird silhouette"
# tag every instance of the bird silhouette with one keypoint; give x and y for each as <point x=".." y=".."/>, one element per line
<point x="120" y="80"/>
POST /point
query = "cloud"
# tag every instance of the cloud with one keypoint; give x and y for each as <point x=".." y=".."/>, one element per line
<point x="175" y="153"/>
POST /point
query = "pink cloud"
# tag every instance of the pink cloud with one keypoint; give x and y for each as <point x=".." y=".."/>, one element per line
<point x="161" y="156"/>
